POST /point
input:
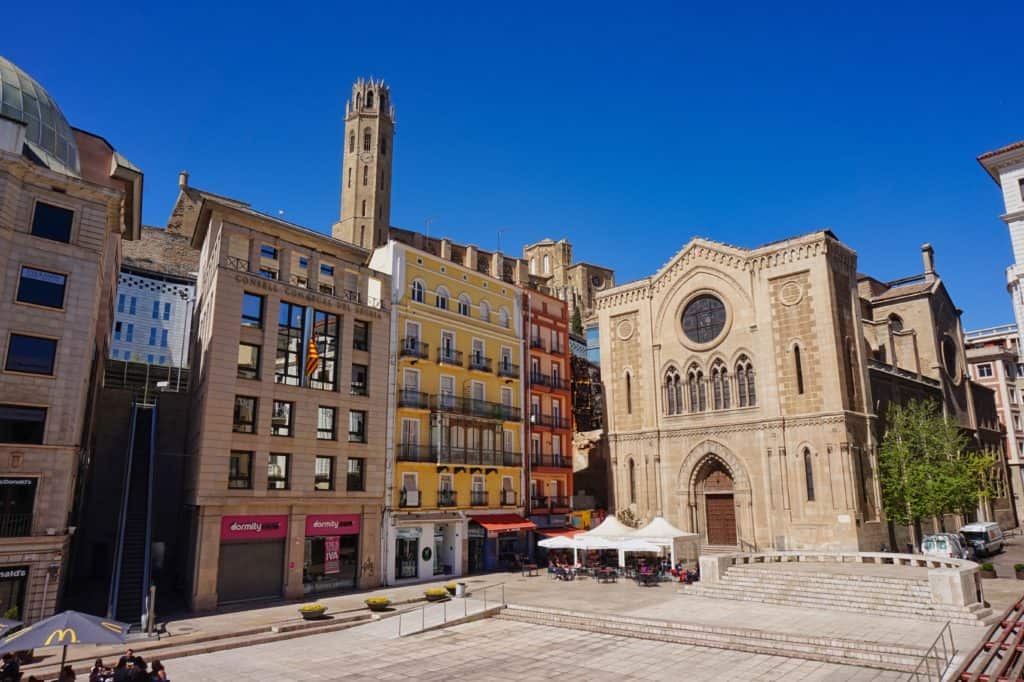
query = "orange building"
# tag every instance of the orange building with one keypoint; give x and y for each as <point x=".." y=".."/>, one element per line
<point x="549" y="428"/>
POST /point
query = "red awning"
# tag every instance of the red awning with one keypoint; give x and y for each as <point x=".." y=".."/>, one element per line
<point x="559" y="532"/>
<point x="498" y="523"/>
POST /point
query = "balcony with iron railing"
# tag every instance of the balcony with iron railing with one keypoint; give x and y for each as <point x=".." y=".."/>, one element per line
<point x="449" y="356"/>
<point x="478" y="498"/>
<point x="414" y="399"/>
<point x="409" y="498"/>
<point x="475" y="408"/>
<point x="480" y="363"/>
<point x="548" y="381"/>
<point x="538" y="459"/>
<point x="508" y="498"/>
<point x="412" y="347"/>
<point x="548" y="421"/>
<point x="549" y="503"/>
<point x="508" y="369"/>
<point x="445" y="454"/>
<point x="536" y="342"/>
<point x="15" y="525"/>
<point x="447" y="498"/>
<point x="413" y="452"/>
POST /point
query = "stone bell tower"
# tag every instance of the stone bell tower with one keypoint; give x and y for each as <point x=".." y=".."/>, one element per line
<point x="366" y="166"/>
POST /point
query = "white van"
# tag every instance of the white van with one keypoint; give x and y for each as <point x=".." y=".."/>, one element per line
<point x="986" y="538"/>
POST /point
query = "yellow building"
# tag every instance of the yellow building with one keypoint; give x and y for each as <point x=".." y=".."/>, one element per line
<point x="456" y="456"/>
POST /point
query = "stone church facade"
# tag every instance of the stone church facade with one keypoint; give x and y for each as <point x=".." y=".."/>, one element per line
<point x="740" y="397"/>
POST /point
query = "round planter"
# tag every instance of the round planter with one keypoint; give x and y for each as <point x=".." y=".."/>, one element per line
<point x="438" y="597"/>
<point x="987" y="574"/>
<point x="1019" y="574"/>
<point x="315" y="614"/>
<point x="378" y="607"/>
<point x="451" y="591"/>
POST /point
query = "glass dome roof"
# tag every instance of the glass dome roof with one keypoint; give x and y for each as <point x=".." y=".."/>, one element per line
<point x="47" y="134"/>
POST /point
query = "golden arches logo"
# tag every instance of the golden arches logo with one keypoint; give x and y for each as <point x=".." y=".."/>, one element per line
<point x="60" y="634"/>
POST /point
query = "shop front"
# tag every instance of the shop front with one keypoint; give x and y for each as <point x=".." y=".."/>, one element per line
<point x="252" y="557"/>
<point x="426" y="549"/>
<point x="501" y="540"/>
<point x="332" y="553"/>
<point x="13" y="580"/>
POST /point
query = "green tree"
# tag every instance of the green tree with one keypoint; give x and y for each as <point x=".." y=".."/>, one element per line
<point x="577" y="322"/>
<point x="926" y="469"/>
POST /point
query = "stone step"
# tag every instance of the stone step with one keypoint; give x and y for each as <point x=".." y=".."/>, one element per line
<point x="967" y="615"/>
<point x="755" y="569"/>
<point x="813" y="587"/>
<point x="879" y="655"/>
<point x="714" y="550"/>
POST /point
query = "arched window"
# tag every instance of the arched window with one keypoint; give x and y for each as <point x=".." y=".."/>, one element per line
<point x="751" y="394"/>
<point x="896" y="322"/>
<point x="798" y="366"/>
<point x="629" y="394"/>
<point x="851" y="362"/>
<point x="369" y="99"/>
<point x="533" y="266"/>
<point x="485" y="311"/>
<point x="352" y="142"/>
<point x="366" y="174"/>
<point x="364" y="208"/>
<point x="350" y="176"/>
<point x="417" y="291"/>
<point x="441" y="298"/>
<point x="359" y="101"/>
<point x="503" y="317"/>
<point x="632" y="482"/>
<point x="673" y="392"/>
<point x="691" y="381"/>
<point x="720" y="386"/>
<point x="702" y="392"/>
<point x="741" y="383"/>
<point x="464" y="305"/>
<point x="367" y="140"/>
<point x="547" y="265"/>
<point x="809" y="474"/>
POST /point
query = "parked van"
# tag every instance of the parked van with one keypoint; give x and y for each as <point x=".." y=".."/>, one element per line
<point x="945" y="545"/>
<point x="986" y="538"/>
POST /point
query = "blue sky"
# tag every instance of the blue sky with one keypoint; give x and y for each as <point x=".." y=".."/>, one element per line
<point x="624" y="128"/>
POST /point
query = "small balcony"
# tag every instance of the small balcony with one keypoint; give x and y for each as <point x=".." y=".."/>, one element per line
<point x="415" y="399"/>
<point x="558" y="502"/>
<point x="548" y="421"/>
<point x="478" y="498"/>
<point x="548" y="381"/>
<point x="538" y="459"/>
<point x="475" y="408"/>
<point x="536" y="342"/>
<point x="446" y="498"/>
<point x="449" y="356"/>
<point x="508" y="498"/>
<point x="508" y="369"/>
<point x="480" y="363"/>
<point x="549" y="503"/>
<point x="15" y="525"/>
<point x="412" y="347"/>
<point x="411" y="452"/>
<point x="409" y="499"/>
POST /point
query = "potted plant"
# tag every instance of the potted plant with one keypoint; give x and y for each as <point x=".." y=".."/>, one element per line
<point x="1018" y="570"/>
<point x="988" y="570"/>
<point x="378" y="603"/>
<point x="312" y="611"/>
<point x="436" y="594"/>
<point x="451" y="588"/>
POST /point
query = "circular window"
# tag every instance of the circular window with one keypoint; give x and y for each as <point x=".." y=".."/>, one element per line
<point x="949" y="357"/>
<point x="597" y="281"/>
<point x="704" y="319"/>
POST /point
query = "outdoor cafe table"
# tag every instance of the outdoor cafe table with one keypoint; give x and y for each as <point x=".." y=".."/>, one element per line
<point x="607" y="575"/>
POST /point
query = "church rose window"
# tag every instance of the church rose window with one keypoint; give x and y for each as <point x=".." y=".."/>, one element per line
<point x="704" y="319"/>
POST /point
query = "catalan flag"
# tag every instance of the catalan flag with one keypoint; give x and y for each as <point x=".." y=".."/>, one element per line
<point x="312" y="358"/>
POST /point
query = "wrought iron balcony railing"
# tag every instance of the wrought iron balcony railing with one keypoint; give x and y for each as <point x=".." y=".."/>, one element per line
<point x="412" y="347"/>
<point x="446" y="498"/>
<point x="449" y="356"/>
<point x="549" y="460"/>
<point x="479" y="362"/>
<point x="410" y="398"/>
<point x="478" y="498"/>
<point x="508" y="369"/>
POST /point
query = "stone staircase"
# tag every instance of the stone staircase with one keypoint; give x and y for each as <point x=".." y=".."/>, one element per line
<point x="719" y="549"/>
<point x="885" y="656"/>
<point x="877" y="595"/>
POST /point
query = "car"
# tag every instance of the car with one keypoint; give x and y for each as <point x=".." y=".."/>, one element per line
<point x="985" y="537"/>
<point x="945" y="545"/>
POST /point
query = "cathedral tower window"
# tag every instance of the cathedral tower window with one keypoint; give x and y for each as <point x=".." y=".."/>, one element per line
<point x="798" y="366"/>
<point x="367" y="140"/>
<point x="629" y="394"/>
<point x="383" y="144"/>
<point x="352" y="142"/>
<point x="369" y="99"/>
<point x="809" y="474"/>
<point x="632" y="482"/>
<point x="364" y="208"/>
<point x="366" y="174"/>
<point x="350" y="176"/>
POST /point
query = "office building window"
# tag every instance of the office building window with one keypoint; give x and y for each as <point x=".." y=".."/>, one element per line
<point x="42" y="287"/>
<point x="245" y="414"/>
<point x="156" y="310"/>
<point x="248" y="361"/>
<point x="20" y="424"/>
<point x="267" y="251"/>
<point x="252" y="310"/>
<point x="52" y="222"/>
<point x="356" y="426"/>
<point x="129" y="334"/>
<point x="327" y="270"/>
<point x="323" y="473"/>
<point x="984" y="371"/>
<point x="163" y="359"/>
<point x="281" y="418"/>
<point x="30" y="354"/>
<point x="163" y="338"/>
<point x="291" y="326"/>
<point x="361" y="335"/>
<point x="325" y="336"/>
<point x="120" y="303"/>
<point x="326" y="420"/>
<point x="152" y="336"/>
<point x="240" y="470"/>
<point x="356" y="474"/>
<point x="277" y="471"/>
<point x="149" y="359"/>
<point x="360" y="377"/>
<point x="167" y="311"/>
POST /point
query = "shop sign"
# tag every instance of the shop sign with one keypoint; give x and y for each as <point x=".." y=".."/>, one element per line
<point x="13" y="573"/>
<point x="9" y="481"/>
<point x="332" y="552"/>
<point x="321" y="525"/>
<point x="253" y="527"/>
<point x="407" y="533"/>
<point x="476" y="531"/>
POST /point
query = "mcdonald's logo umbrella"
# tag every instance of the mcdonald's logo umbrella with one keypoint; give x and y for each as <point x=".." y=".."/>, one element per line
<point x="7" y="625"/>
<point x="65" y="629"/>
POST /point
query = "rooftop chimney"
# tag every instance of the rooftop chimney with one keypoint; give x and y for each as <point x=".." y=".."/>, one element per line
<point x="182" y="179"/>
<point x="928" y="256"/>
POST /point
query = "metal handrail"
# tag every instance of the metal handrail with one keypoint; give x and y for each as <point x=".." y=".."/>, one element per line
<point x="444" y="609"/>
<point x="934" y="666"/>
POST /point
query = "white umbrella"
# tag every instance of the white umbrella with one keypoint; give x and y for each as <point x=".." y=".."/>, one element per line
<point x="558" y="542"/>
<point x="639" y="546"/>
<point x="611" y="527"/>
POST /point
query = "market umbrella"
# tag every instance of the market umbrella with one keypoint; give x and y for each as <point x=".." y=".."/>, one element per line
<point x="62" y="629"/>
<point x="6" y="625"/>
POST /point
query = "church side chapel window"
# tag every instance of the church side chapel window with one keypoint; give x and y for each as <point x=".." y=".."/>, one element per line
<point x="704" y="319"/>
<point x="809" y="474"/>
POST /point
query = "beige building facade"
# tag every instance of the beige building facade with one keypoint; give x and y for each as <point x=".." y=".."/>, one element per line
<point x="67" y="200"/>
<point x="290" y="376"/>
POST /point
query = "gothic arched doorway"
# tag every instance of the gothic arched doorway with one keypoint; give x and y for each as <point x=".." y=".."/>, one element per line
<point x="715" y="483"/>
